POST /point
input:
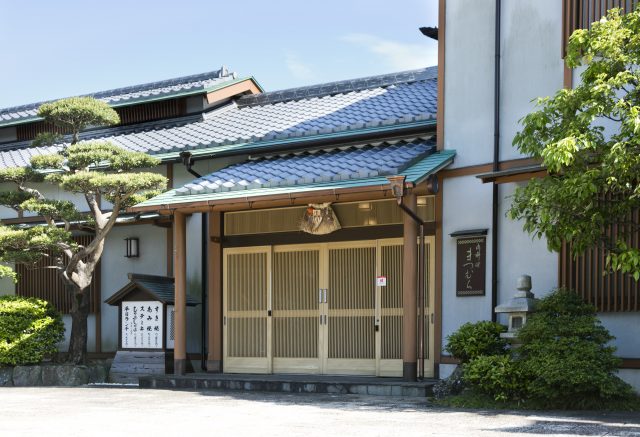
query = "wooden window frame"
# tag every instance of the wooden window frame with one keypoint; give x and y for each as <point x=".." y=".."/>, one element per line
<point x="43" y="283"/>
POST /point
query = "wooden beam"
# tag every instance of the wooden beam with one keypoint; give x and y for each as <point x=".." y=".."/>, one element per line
<point x="409" y="292"/>
<point x="442" y="19"/>
<point x="244" y="87"/>
<point x="437" y="328"/>
<point x="180" y="271"/>
<point x="214" y="291"/>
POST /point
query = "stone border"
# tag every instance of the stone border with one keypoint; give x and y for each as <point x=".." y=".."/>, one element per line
<point x="53" y="375"/>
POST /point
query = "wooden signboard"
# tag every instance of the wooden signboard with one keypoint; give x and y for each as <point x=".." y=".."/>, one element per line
<point x="141" y="325"/>
<point x="471" y="266"/>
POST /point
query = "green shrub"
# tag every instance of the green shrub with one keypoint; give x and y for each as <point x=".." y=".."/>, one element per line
<point x="565" y="358"/>
<point x="30" y="328"/>
<point x="472" y="340"/>
<point x="494" y="375"/>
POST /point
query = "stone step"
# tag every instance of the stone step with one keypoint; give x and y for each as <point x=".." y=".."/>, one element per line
<point x="291" y="384"/>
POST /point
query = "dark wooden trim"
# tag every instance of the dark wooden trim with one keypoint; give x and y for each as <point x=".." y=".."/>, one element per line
<point x="169" y="255"/>
<point x="97" y="281"/>
<point x="630" y="363"/>
<point x="520" y="162"/>
<point x="169" y="176"/>
<point x="442" y="20"/>
<point x="437" y="329"/>
<point x="465" y="171"/>
<point x="345" y="234"/>
<point x="518" y="177"/>
<point x="214" y="291"/>
<point x="448" y="359"/>
<point x="100" y="355"/>
<point x="245" y="87"/>
<point x="474" y="170"/>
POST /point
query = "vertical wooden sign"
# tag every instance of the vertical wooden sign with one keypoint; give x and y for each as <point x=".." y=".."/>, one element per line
<point x="471" y="266"/>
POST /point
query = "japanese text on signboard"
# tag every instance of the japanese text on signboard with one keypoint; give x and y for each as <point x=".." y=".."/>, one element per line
<point x="470" y="268"/>
<point x="141" y="325"/>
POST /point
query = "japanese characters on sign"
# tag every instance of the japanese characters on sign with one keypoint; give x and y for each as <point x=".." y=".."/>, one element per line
<point x="141" y="324"/>
<point x="470" y="268"/>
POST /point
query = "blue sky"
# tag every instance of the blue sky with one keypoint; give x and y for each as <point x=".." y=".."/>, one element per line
<point x="53" y="49"/>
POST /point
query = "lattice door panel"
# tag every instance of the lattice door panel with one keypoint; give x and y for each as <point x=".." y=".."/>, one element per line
<point x="295" y="306"/>
<point x="429" y="296"/>
<point x="391" y="309"/>
<point x="246" y="284"/>
<point x="351" y="303"/>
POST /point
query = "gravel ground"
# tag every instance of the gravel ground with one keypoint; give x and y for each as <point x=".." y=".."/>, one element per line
<point x="110" y="411"/>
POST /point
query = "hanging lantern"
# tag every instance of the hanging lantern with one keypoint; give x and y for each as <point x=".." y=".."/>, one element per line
<point x="132" y="247"/>
<point x="319" y="219"/>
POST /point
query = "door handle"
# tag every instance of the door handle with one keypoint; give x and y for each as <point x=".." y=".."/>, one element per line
<point x="325" y="295"/>
<point x="320" y="295"/>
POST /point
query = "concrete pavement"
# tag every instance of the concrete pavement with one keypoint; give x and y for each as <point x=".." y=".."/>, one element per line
<point x="99" y="411"/>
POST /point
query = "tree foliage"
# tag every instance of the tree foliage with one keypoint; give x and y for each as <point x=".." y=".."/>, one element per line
<point x="588" y="139"/>
<point x="75" y="114"/>
<point x="30" y="329"/>
<point x="94" y="170"/>
<point x="565" y="359"/>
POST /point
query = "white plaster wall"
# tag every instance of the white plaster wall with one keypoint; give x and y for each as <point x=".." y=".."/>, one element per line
<point x="626" y="328"/>
<point x="464" y="207"/>
<point x="632" y="377"/>
<point x="468" y="110"/>
<point x="115" y="266"/>
<point x="7" y="286"/>
<point x="446" y="370"/>
<point x="530" y="60"/>
<point x="63" y="346"/>
<point x="531" y="67"/>
<point x="521" y="254"/>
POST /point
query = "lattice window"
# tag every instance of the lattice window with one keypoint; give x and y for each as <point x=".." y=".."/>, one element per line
<point x="579" y="14"/>
<point x="587" y="274"/>
<point x="42" y="281"/>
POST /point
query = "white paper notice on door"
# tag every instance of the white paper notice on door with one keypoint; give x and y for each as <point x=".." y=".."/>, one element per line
<point x="381" y="281"/>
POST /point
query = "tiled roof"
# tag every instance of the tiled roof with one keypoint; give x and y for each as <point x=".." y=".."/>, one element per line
<point x="313" y="166"/>
<point x="340" y="87"/>
<point x="415" y="173"/>
<point x="161" y="288"/>
<point x="411" y="99"/>
<point x="137" y="93"/>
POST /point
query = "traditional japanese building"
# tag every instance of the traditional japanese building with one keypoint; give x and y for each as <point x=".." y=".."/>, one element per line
<point x="294" y="217"/>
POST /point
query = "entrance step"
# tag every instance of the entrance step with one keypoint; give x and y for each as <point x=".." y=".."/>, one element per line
<point x="129" y="365"/>
<point x="292" y="384"/>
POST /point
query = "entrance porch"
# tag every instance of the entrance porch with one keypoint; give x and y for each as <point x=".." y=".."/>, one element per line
<point x="283" y="301"/>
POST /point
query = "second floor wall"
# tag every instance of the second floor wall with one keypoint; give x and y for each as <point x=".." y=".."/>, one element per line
<point x="531" y="66"/>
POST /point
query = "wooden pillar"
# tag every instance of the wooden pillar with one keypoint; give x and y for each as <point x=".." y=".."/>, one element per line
<point x="180" y="275"/>
<point x="214" y="293"/>
<point x="409" y="291"/>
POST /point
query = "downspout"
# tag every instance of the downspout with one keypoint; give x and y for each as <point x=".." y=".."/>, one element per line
<point x="187" y="160"/>
<point x="496" y="162"/>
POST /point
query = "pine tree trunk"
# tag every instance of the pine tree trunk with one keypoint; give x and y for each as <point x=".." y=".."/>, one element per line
<point x="79" y="334"/>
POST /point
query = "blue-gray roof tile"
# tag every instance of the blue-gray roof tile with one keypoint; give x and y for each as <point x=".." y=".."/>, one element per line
<point x="253" y="122"/>
<point x="136" y="93"/>
<point x="339" y="164"/>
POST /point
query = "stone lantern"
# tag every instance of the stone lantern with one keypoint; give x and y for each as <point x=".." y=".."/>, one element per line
<point x="518" y="307"/>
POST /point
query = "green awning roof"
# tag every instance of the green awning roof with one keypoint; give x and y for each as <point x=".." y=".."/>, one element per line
<point x="416" y="173"/>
